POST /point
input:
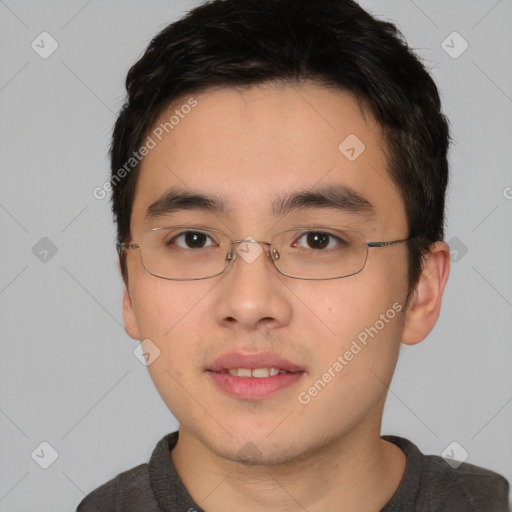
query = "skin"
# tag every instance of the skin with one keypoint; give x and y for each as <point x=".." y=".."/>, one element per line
<point x="327" y="455"/>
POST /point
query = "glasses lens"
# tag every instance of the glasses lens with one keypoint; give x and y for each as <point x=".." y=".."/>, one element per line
<point x="320" y="253"/>
<point x="184" y="252"/>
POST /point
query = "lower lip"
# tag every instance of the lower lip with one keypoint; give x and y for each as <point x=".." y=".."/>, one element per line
<point x="253" y="388"/>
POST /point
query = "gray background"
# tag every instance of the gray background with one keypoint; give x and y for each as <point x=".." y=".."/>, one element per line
<point x="67" y="372"/>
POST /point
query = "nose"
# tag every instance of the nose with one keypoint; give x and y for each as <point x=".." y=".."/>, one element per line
<point x="251" y="294"/>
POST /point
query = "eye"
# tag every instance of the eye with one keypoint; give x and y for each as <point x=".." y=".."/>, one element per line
<point x="191" y="240"/>
<point x="320" y="240"/>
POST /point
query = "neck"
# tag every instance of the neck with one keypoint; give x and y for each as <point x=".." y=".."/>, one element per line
<point x="358" y="471"/>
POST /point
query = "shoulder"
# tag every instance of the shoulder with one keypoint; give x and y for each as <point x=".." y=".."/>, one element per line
<point x="459" y="487"/>
<point x="479" y="488"/>
<point x="129" y="490"/>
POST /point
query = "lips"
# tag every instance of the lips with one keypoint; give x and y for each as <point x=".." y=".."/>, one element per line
<point x="253" y="376"/>
<point x="268" y="360"/>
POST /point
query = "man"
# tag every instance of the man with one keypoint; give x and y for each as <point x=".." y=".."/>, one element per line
<point x="278" y="176"/>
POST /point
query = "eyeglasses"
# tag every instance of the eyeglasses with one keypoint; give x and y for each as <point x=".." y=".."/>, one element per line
<point x="185" y="253"/>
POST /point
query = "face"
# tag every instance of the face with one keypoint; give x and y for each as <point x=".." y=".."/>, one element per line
<point x="336" y="341"/>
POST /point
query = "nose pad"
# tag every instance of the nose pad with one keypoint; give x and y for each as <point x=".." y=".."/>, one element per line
<point x="274" y="254"/>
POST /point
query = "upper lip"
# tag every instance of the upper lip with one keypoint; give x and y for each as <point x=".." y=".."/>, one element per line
<point x="232" y="360"/>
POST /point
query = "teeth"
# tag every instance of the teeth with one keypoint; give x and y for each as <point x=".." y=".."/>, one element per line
<point x="244" y="372"/>
<point x="258" y="373"/>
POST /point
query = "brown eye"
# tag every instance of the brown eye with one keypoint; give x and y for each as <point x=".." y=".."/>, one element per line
<point x="190" y="240"/>
<point x="319" y="240"/>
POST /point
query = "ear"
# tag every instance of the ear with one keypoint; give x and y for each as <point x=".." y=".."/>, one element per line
<point x="425" y="304"/>
<point x="130" y="321"/>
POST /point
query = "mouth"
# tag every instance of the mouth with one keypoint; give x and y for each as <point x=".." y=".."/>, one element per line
<point x="253" y="376"/>
<point x="257" y="373"/>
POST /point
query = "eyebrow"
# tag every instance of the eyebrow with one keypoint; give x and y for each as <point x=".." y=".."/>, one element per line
<point x="175" y="200"/>
<point x="334" y="197"/>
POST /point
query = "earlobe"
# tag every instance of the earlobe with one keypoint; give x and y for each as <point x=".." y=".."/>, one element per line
<point x="130" y="321"/>
<point x="425" y="303"/>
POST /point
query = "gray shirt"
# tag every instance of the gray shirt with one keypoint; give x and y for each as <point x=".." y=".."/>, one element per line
<point x="429" y="484"/>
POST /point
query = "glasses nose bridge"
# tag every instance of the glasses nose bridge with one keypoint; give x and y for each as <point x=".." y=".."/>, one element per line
<point x="266" y="245"/>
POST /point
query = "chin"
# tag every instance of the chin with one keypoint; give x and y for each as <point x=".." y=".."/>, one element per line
<point x="258" y="454"/>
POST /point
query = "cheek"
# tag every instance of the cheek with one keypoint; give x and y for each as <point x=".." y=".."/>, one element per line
<point x="349" y="305"/>
<point x="161" y="305"/>
<point x="365" y="316"/>
<point x="356" y="363"/>
<point x="366" y="332"/>
<point x="173" y="315"/>
<point x="168" y="314"/>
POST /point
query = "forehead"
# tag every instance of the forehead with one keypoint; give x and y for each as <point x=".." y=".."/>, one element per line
<point x="253" y="145"/>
